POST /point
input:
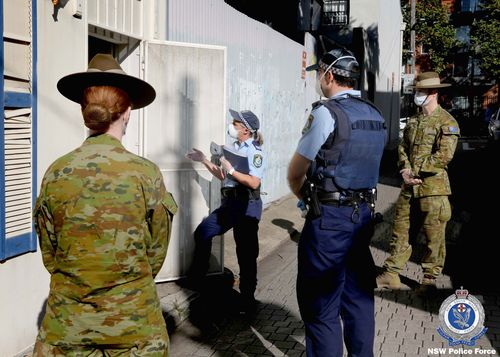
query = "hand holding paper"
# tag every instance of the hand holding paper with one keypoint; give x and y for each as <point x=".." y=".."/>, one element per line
<point x="226" y="165"/>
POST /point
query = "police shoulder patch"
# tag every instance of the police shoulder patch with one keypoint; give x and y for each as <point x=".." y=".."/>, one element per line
<point x="307" y="127"/>
<point x="257" y="160"/>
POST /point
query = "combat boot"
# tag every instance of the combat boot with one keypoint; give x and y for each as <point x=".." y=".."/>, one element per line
<point x="389" y="280"/>
<point x="427" y="287"/>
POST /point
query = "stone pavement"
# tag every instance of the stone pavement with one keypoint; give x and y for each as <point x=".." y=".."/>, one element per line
<point x="405" y="323"/>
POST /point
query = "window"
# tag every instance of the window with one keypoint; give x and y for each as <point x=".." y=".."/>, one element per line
<point x="470" y="5"/>
<point x="335" y="13"/>
<point x="463" y="34"/>
<point x="17" y="127"/>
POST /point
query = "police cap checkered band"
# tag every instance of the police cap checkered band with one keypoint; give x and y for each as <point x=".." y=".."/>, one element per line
<point x="247" y="118"/>
<point x="340" y="61"/>
<point x="341" y="72"/>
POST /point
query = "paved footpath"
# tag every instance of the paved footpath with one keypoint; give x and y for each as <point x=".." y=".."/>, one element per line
<point x="405" y="324"/>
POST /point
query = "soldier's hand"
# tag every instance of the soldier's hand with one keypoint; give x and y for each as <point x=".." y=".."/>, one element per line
<point x="409" y="179"/>
<point x="196" y="155"/>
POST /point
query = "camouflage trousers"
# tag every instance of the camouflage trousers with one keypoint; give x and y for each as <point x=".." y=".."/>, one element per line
<point x="412" y="215"/>
<point x="151" y="348"/>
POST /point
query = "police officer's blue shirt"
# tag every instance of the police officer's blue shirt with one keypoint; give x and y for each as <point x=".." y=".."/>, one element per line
<point x="255" y="157"/>
<point x="318" y="127"/>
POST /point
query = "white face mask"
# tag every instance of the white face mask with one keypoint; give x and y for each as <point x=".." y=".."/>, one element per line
<point x="232" y="131"/>
<point x="318" y="85"/>
<point x="420" y="98"/>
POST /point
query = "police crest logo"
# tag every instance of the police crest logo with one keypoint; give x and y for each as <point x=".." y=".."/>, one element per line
<point x="307" y="127"/>
<point x="257" y="160"/>
<point x="461" y="318"/>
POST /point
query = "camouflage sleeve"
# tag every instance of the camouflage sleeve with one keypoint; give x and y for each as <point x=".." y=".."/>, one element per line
<point x="446" y="145"/>
<point x="44" y="227"/>
<point x="160" y="216"/>
<point x="404" y="161"/>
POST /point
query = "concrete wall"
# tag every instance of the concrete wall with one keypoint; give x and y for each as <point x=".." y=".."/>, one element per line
<point x="382" y="22"/>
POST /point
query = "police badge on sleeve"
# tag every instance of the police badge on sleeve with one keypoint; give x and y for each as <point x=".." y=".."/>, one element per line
<point x="461" y="318"/>
<point x="257" y="160"/>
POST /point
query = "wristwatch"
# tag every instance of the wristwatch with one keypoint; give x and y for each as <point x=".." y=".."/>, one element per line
<point x="230" y="172"/>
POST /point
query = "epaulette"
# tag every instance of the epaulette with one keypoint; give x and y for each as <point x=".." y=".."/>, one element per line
<point x="317" y="103"/>
<point x="366" y="101"/>
<point x="256" y="145"/>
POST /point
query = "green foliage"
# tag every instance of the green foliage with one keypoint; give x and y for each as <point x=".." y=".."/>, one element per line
<point x="432" y="30"/>
<point x="485" y="38"/>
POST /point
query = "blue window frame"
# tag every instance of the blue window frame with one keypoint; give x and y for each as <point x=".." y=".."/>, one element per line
<point x="13" y="240"/>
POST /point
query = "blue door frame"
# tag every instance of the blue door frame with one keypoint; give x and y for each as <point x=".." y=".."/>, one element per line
<point x="26" y="242"/>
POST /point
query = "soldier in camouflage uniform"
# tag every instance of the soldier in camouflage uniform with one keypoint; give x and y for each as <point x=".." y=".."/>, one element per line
<point x="103" y="218"/>
<point x="428" y="145"/>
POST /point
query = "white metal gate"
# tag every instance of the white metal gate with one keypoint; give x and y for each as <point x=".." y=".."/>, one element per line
<point x="189" y="111"/>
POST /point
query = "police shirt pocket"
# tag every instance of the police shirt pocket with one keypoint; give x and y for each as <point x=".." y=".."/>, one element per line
<point x="336" y="218"/>
<point x="169" y="203"/>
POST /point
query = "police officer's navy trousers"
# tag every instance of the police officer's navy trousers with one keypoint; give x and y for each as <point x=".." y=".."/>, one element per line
<point x="243" y="216"/>
<point x="336" y="280"/>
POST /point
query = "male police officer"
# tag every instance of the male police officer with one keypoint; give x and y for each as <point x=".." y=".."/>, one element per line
<point x="335" y="170"/>
<point x="428" y="145"/>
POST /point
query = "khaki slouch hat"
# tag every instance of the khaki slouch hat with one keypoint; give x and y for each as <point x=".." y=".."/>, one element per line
<point x="104" y="70"/>
<point x="429" y="80"/>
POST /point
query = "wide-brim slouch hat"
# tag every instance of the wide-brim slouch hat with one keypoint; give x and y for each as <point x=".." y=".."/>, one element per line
<point x="104" y="70"/>
<point x="429" y="80"/>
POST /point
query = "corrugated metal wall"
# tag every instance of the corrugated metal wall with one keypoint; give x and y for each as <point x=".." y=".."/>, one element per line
<point x="263" y="75"/>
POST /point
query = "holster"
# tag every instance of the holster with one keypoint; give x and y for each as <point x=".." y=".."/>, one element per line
<point x="310" y="197"/>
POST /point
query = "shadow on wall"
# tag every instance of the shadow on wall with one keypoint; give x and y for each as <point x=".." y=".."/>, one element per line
<point x="188" y="114"/>
<point x="41" y="314"/>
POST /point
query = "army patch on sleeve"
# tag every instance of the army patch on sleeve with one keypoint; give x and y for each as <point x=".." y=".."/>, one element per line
<point x="307" y="127"/>
<point x="451" y="130"/>
<point x="257" y="160"/>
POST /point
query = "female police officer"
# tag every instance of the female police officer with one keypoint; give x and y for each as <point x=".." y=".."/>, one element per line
<point x="241" y="207"/>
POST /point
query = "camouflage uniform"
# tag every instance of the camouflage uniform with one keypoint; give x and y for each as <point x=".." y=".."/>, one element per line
<point x="103" y="218"/>
<point x="427" y="147"/>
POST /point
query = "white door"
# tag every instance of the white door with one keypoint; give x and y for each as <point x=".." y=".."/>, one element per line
<point x="189" y="111"/>
<point x="133" y="138"/>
